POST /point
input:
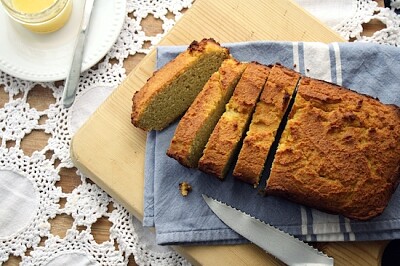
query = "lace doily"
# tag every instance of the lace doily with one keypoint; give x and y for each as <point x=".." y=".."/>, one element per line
<point x="28" y="191"/>
<point x="367" y="11"/>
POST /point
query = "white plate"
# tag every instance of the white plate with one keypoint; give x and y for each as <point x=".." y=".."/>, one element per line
<point x="47" y="57"/>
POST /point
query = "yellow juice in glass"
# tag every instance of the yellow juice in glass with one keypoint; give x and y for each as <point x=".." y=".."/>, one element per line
<point x="41" y="16"/>
<point x="32" y="6"/>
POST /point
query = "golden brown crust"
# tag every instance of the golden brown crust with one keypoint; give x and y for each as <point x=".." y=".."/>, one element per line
<point x="340" y="152"/>
<point x="159" y="82"/>
<point x="230" y="128"/>
<point x="264" y="124"/>
<point x="196" y="125"/>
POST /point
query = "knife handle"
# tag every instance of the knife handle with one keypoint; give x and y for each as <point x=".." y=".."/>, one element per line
<point x="71" y="84"/>
<point x="72" y="81"/>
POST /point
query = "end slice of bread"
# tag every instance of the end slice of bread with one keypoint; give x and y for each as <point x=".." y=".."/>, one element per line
<point x="221" y="147"/>
<point x="265" y="122"/>
<point x="196" y="125"/>
<point x="339" y="152"/>
<point x="172" y="89"/>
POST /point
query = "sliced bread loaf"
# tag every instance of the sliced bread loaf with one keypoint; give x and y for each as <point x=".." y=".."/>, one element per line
<point x="265" y="122"/>
<point x="228" y="132"/>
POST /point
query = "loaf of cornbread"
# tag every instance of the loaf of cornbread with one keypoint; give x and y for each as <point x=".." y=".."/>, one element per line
<point x="264" y="124"/>
<point x="228" y="132"/>
<point x="196" y="125"/>
<point x="339" y="152"/>
<point x="171" y="89"/>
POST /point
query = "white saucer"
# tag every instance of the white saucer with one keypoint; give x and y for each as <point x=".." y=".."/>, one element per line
<point x="47" y="57"/>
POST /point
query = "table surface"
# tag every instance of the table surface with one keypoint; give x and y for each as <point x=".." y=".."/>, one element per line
<point x="41" y="97"/>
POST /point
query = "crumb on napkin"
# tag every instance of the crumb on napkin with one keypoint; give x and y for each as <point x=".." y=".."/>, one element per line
<point x="185" y="188"/>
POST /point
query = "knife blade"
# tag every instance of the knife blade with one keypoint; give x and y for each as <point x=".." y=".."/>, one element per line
<point x="72" y="81"/>
<point x="283" y="246"/>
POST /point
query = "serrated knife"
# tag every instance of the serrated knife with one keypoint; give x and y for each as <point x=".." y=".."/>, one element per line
<point x="283" y="246"/>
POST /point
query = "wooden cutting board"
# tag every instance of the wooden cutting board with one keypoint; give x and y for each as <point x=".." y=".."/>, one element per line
<point x="110" y="151"/>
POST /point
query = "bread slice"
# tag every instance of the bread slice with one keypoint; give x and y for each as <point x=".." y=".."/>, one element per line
<point x="171" y="89"/>
<point x="230" y="128"/>
<point x="265" y="122"/>
<point x="196" y="125"/>
<point x="339" y="152"/>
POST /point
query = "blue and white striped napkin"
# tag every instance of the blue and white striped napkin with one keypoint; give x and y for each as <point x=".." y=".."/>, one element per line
<point x="367" y="68"/>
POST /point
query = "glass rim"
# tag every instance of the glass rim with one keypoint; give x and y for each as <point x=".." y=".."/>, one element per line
<point x="38" y="17"/>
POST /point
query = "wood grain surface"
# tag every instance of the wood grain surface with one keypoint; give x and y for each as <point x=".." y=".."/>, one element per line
<point x="41" y="97"/>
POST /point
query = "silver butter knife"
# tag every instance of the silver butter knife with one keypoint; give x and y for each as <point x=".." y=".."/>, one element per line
<point x="283" y="246"/>
<point x="72" y="81"/>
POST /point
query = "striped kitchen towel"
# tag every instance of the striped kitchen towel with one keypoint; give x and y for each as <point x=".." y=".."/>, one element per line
<point x="371" y="69"/>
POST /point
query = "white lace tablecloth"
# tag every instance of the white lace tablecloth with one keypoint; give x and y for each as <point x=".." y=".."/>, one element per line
<point x="29" y="197"/>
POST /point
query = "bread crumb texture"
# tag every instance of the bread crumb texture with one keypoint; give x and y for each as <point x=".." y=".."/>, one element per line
<point x="195" y="127"/>
<point x="172" y="89"/>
